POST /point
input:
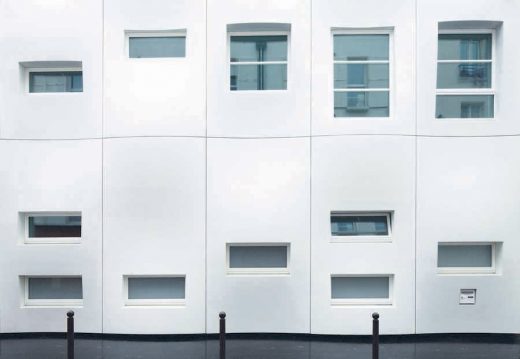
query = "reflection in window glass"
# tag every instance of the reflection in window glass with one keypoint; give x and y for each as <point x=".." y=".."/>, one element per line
<point x="464" y="106"/>
<point x="258" y="62"/>
<point x="361" y="75"/>
<point x="56" y="81"/>
<point x="353" y="225"/>
<point x="54" y="226"/>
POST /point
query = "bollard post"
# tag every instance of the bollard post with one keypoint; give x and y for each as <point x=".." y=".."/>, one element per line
<point x="222" y="335"/>
<point x="70" y="334"/>
<point x="375" y="336"/>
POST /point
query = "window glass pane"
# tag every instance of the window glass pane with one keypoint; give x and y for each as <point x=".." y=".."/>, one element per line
<point x="156" y="288"/>
<point x="361" y="47"/>
<point x="163" y="46"/>
<point x="361" y="104"/>
<point x="258" y="77"/>
<point x="55" y="288"/>
<point x="463" y="75"/>
<point x="54" y="226"/>
<point x="465" y="255"/>
<point x="361" y="76"/>
<point x="464" y="47"/>
<point x="258" y="48"/>
<point x="343" y="225"/>
<point x="65" y="81"/>
<point x="258" y="256"/>
<point x="464" y="106"/>
<point x="360" y="287"/>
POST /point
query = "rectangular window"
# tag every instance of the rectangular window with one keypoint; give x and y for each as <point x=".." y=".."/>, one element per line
<point x="468" y="258"/>
<point x="55" y="81"/>
<point x="258" y="62"/>
<point x="53" y="290"/>
<point x="52" y="227"/>
<point x="361" y="75"/>
<point x="156" y="46"/>
<point x="155" y="290"/>
<point x="361" y="289"/>
<point x="349" y="225"/>
<point x="465" y="75"/>
<point x="258" y="258"/>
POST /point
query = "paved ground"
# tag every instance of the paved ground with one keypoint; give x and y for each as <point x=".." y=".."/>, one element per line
<point x="447" y="348"/>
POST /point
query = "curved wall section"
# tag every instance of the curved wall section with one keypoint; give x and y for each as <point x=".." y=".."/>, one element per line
<point x="260" y="203"/>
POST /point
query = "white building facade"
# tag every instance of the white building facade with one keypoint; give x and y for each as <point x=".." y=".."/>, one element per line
<point x="366" y="159"/>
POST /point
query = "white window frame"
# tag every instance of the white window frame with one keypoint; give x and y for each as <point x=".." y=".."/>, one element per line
<point x="469" y="91"/>
<point x="258" y="33"/>
<point x="152" y="302"/>
<point x="469" y="270"/>
<point x="390" y="62"/>
<point x="364" y="301"/>
<point x="258" y="271"/>
<point x="29" y="70"/>
<point x="155" y="33"/>
<point x="362" y="238"/>
<point x="75" y="303"/>
<point x="49" y="240"/>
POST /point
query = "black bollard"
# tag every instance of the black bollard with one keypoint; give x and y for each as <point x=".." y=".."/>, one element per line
<point x="375" y="336"/>
<point x="70" y="334"/>
<point x="222" y="335"/>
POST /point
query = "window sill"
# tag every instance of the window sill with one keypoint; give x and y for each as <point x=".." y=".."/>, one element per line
<point x="52" y="304"/>
<point x="60" y="240"/>
<point x="361" y="239"/>
<point x="466" y="272"/>
<point x="258" y="272"/>
<point x="361" y="303"/>
<point x="155" y="303"/>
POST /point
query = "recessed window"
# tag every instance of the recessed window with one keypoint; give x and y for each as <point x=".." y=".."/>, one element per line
<point x="361" y="75"/>
<point x="258" y="62"/>
<point x="55" y="81"/>
<point x="465" y="75"/>
<point x="361" y="289"/>
<point x="156" y="45"/>
<point x="349" y="225"/>
<point x="459" y="258"/>
<point x="155" y="290"/>
<point x="258" y="258"/>
<point x="52" y="227"/>
<point x="53" y="290"/>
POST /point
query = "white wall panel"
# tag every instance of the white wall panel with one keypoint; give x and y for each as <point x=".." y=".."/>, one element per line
<point x="507" y="71"/>
<point x="363" y="173"/>
<point x="154" y="195"/>
<point x="258" y="191"/>
<point x="50" y="176"/>
<point x="258" y="113"/>
<point x="468" y="191"/>
<point x="347" y="15"/>
<point x="54" y="30"/>
<point x="157" y="96"/>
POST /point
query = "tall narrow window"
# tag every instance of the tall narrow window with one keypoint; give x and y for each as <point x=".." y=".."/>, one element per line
<point x="258" y="62"/>
<point x="55" y="81"/>
<point x="362" y="75"/>
<point x="465" y="76"/>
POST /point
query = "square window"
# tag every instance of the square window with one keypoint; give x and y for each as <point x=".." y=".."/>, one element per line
<point x="155" y="290"/>
<point x="465" y="75"/>
<point x="147" y="45"/>
<point x="360" y="226"/>
<point x="53" y="290"/>
<point x="361" y="74"/>
<point x="361" y="289"/>
<point x="466" y="258"/>
<point x="258" y="62"/>
<point x="258" y="258"/>
<point x="49" y="227"/>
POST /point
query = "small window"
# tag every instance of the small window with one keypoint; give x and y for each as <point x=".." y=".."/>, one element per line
<point x="55" y="81"/>
<point x="348" y="225"/>
<point x="156" y="45"/>
<point x="361" y="75"/>
<point x="52" y="228"/>
<point x="53" y="291"/>
<point x="258" y="258"/>
<point x="258" y="62"/>
<point x="361" y="289"/>
<point x="155" y="290"/>
<point x="458" y="258"/>
<point x="465" y="75"/>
